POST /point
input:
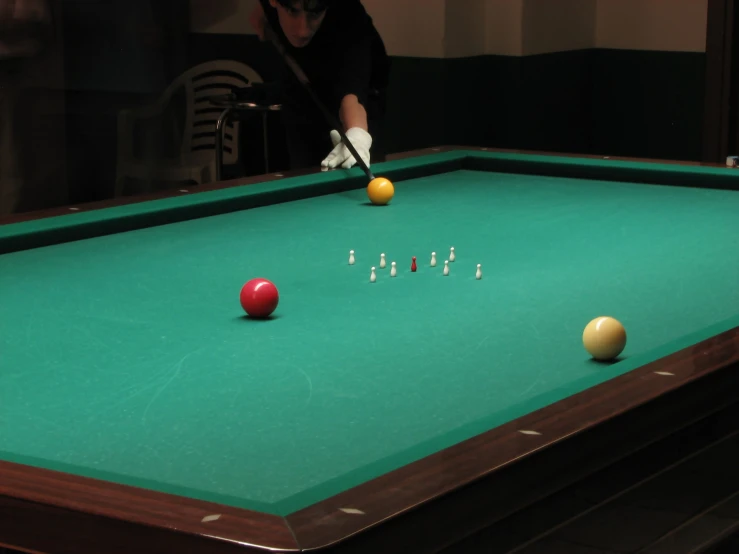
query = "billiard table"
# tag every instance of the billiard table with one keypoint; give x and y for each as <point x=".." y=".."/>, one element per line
<point x="142" y="411"/>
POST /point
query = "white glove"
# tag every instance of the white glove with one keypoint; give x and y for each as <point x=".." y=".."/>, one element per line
<point x="341" y="156"/>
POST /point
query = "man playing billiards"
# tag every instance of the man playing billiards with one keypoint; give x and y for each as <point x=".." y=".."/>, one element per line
<point x="343" y="56"/>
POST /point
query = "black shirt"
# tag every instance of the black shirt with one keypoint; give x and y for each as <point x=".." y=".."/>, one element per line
<point x="346" y="56"/>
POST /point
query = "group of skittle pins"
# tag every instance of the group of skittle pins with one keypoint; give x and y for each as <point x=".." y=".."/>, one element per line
<point x="414" y="267"/>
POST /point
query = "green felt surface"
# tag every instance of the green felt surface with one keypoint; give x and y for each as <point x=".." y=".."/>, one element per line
<point x="127" y="356"/>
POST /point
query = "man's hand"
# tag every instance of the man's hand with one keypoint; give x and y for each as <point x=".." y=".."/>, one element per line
<point x="257" y="19"/>
<point x="341" y="156"/>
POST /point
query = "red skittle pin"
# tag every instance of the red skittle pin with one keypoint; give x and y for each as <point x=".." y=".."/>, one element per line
<point x="413" y="264"/>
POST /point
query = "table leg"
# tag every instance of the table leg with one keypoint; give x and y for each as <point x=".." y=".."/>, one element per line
<point x="220" y="130"/>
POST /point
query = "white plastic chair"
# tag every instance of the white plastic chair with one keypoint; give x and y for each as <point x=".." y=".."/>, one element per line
<point x="196" y="161"/>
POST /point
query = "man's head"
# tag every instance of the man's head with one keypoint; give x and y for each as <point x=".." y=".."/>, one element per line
<point x="300" y="19"/>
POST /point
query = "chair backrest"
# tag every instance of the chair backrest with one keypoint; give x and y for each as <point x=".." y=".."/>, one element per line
<point x="199" y="84"/>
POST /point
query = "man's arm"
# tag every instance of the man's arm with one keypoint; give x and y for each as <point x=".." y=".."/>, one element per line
<point x="354" y="119"/>
<point x="352" y="81"/>
<point x="352" y="113"/>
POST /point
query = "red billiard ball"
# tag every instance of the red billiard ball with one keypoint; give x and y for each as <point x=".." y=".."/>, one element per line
<point x="259" y="298"/>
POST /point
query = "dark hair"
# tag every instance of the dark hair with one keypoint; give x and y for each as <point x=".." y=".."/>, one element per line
<point x="315" y="6"/>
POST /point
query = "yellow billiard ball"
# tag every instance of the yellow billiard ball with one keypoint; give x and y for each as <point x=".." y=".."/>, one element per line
<point x="380" y="191"/>
<point x="604" y="338"/>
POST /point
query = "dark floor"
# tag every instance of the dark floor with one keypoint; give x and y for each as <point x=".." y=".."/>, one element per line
<point x="680" y="495"/>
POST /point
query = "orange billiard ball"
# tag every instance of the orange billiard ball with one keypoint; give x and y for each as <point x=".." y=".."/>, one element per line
<point x="604" y="338"/>
<point x="259" y="298"/>
<point x="380" y="191"/>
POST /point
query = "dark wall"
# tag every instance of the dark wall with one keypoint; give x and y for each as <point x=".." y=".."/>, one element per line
<point x="610" y="102"/>
<point x="648" y="104"/>
<point x="117" y="55"/>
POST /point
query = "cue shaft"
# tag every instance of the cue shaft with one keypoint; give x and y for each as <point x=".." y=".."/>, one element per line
<point x="303" y="79"/>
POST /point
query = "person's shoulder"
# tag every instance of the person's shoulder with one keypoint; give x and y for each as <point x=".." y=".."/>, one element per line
<point x="348" y="5"/>
<point x="352" y="9"/>
<point x="350" y="16"/>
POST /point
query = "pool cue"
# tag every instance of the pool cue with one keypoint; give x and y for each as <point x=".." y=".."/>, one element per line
<point x="303" y="79"/>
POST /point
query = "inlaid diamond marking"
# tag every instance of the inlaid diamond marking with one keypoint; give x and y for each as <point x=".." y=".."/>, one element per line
<point x="665" y="373"/>
<point x="352" y="511"/>
<point x="208" y="519"/>
<point x="529" y="432"/>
